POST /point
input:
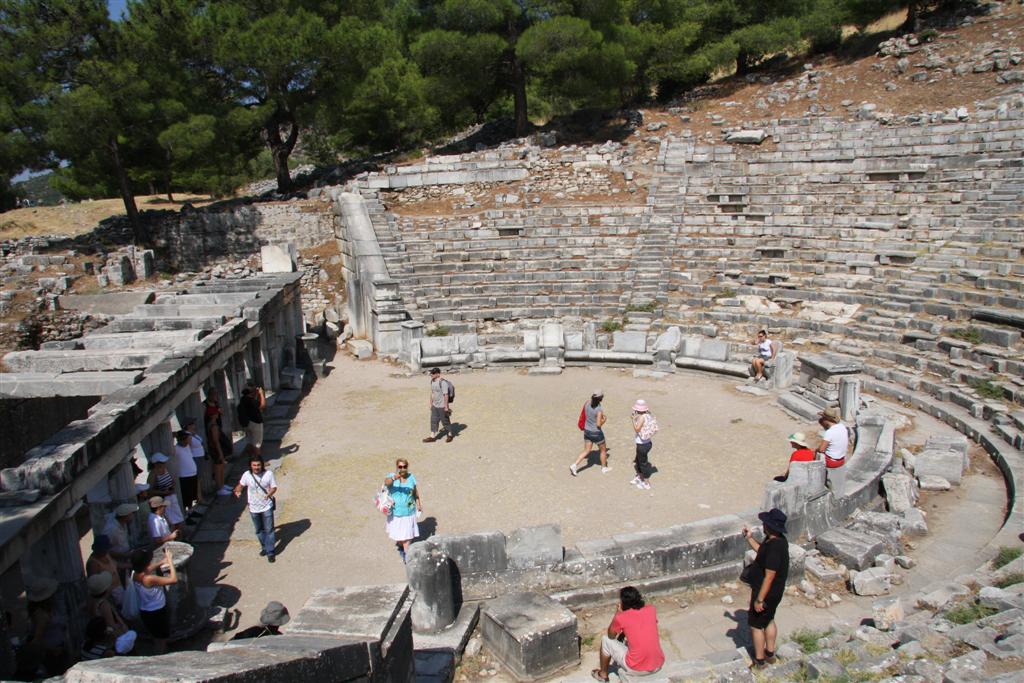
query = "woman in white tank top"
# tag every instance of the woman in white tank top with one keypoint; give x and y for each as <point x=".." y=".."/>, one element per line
<point x="150" y="587"/>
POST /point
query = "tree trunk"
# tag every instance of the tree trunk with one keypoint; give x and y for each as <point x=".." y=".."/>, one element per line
<point x="281" y="149"/>
<point x="742" y="63"/>
<point x="913" y="17"/>
<point x="138" y="230"/>
<point x="519" y="97"/>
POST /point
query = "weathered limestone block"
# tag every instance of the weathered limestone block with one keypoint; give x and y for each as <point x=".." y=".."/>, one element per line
<point x="886" y="612"/>
<point x="531" y="634"/>
<point x="278" y="258"/>
<point x="899" y="491"/>
<point x="472" y="553"/>
<point x="933" y="482"/>
<point x="712" y="349"/>
<point x="873" y="581"/>
<point x="534" y="546"/>
<point x="912" y="523"/>
<point x="669" y="340"/>
<point x="946" y="464"/>
<point x="747" y="137"/>
<point x="362" y="612"/>
<point x="937" y="595"/>
<point x="629" y="342"/>
<point x="853" y="548"/>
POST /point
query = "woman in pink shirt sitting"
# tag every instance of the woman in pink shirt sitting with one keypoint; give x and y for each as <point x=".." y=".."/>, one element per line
<point x="632" y="639"/>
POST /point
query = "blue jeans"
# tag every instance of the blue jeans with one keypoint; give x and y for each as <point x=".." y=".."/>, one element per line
<point x="264" y="523"/>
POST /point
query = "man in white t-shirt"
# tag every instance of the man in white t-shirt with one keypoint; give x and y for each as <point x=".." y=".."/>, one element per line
<point x="835" y="441"/>
<point x="188" y="473"/>
<point x="261" y="487"/>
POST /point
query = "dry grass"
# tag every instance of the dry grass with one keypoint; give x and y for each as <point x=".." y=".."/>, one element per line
<point x="81" y="217"/>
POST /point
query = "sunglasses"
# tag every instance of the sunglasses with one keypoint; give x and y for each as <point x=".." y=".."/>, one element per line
<point x="403" y="467"/>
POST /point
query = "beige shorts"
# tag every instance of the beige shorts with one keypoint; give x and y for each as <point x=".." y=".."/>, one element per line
<point x="254" y="434"/>
<point x="616" y="650"/>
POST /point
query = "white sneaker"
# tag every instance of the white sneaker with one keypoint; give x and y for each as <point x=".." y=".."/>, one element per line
<point x="572" y="468"/>
<point x="606" y="470"/>
<point x="635" y="480"/>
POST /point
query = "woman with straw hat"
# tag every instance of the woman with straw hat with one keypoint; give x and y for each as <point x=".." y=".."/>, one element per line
<point x="802" y="452"/>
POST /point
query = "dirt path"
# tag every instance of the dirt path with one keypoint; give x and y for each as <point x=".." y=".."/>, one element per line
<point x="507" y="468"/>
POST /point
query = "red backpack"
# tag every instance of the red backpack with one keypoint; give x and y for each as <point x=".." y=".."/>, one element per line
<point x="583" y="417"/>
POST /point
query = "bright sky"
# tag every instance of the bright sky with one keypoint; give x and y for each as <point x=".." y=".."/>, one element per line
<point x="115" y="7"/>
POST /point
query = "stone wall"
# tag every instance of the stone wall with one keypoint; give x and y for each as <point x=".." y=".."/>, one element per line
<point x="190" y="240"/>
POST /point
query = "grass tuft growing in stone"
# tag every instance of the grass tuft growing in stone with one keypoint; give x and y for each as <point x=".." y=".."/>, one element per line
<point x="438" y="331"/>
<point x="967" y="612"/>
<point x="808" y="639"/>
<point x="967" y="334"/>
<point x="846" y="657"/>
<point x="649" y="307"/>
<point x="1005" y="556"/>
<point x="986" y="389"/>
<point x="1011" y="579"/>
<point x="611" y="326"/>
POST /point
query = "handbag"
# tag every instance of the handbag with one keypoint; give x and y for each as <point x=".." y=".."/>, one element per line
<point x="130" y="601"/>
<point x="383" y="501"/>
<point x="751" y="575"/>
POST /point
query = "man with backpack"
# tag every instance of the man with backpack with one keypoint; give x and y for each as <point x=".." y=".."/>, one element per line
<point x="442" y="393"/>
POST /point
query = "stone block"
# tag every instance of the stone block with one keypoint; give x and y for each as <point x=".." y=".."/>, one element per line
<point x="747" y="137"/>
<point x="574" y="341"/>
<point x="360" y="348"/>
<point x="429" y="572"/>
<point x="886" y="612"/>
<point x="669" y="340"/>
<point x="278" y="658"/>
<point x="531" y="634"/>
<point x="712" y="349"/>
<point x="933" y="482"/>
<point x="278" y="258"/>
<point x="823" y="665"/>
<point x="691" y="346"/>
<point x="912" y="523"/>
<point x="900" y="494"/>
<point x="945" y="463"/>
<point x="937" y="596"/>
<point x="873" y="581"/>
<point x="534" y="546"/>
<point x="853" y="548"/>
<point x="474" y="553"/>
<point x="439" y="346"/>
<point x="551" y="335"/>
<point x="358" y="612"/>
<point x="629" y="342"/>
<point x="1001" y="598"/>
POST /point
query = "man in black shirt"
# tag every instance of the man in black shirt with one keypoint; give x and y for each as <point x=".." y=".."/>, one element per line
<point x="769" y="584"/>
<point x="250" y="414"/>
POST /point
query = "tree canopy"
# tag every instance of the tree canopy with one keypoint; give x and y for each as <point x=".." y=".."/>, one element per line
<point x="201" y="95"/>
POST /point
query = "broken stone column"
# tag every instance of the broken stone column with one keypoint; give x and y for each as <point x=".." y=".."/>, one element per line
<point x="552" y="345"/>
<point x="821" y="375"/>
<point x="145" y="263"/>
<point x="590" y="335"/>
<point x="666" y="346"/>
<point x="429" y="570"/>
<point x="187" y="618"/>
<point x="58" y="556"/>
<point x="849" y="398"/>
<point x="412" y="332"/>
<point x="119" y="270"/>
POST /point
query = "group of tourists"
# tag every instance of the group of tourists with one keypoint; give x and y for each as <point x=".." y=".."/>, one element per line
<point x="592" y="420"/>
<point x="832" y="446"/>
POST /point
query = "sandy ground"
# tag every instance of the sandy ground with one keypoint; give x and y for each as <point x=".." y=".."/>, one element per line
<point x="80" y="217"/>
<point x="507" y="468"/>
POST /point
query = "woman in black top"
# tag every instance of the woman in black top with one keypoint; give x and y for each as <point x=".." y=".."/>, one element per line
<point x="768" y="585"/>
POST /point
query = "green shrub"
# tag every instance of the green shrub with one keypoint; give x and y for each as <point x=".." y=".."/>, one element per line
<point x="1010" y="579"/>
<point x="610" y="326"/>
<point x="808" y="639"/>
<point x="438" y="331"/>
<point x="967" y="612"/>
<point x="928" y="35"/>
<point x="649" y="307"/>
<point x="986" y="389"/>
<point x="726" y="294"/>
<point x="1005" y="556"/>
<point x="967" y="334"/>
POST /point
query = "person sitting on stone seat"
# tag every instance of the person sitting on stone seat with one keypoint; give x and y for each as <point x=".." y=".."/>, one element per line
<point x="632" y="641"/>
<point x="801" y="453"/>
<point x="766" y="351"/>
<point x="272" y="618"/>
<point x="835" y="441"/>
